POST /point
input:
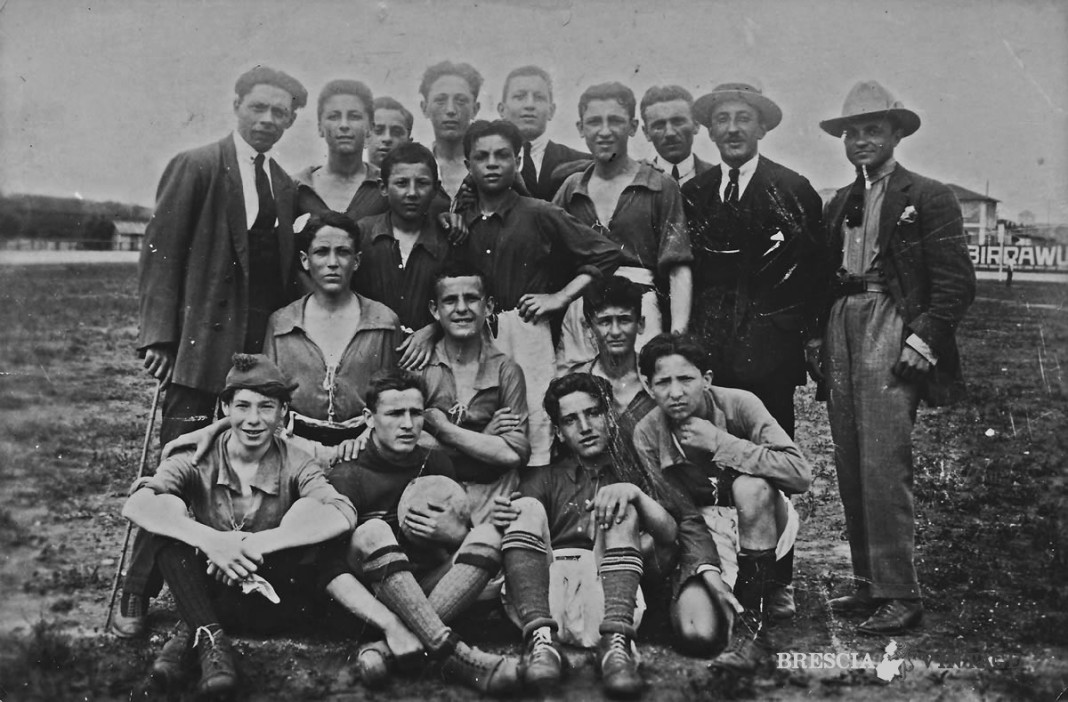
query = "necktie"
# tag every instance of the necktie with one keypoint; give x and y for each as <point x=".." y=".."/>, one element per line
<point x="268" y="212"/>
<point x="731" y="195"/>
<point x="529" y="173"/>
<point x="854" y="210"/>
<point x="675" y="172"/>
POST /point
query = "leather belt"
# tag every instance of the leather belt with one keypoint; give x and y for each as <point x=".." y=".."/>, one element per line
<point x="857" y="286"/>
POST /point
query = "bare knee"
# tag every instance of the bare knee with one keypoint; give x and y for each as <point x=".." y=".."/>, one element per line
<point x="371" y="536"/>
<point x="623" y="533"/>
<point x="532" y="517"/>
<point x="700" y="626"/>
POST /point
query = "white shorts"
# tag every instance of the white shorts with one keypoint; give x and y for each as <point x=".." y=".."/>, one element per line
<point x="722" y="522"/>
<point x="576" y="600"/>
<point x="531" y="347"/>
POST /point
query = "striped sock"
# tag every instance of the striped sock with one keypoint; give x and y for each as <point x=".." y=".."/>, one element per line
<point x="390" y="574"/>
<point x="472" y="568"/>
<point x="526" y="572"/>
<point x="621" y="573"/>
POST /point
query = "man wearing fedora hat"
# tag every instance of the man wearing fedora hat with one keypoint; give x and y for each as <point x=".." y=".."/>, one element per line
<point x="759" y="261"/>
<point x="904" y="281"/>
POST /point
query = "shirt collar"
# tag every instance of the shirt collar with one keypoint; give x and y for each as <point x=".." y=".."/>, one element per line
<point x="372" y="179"/>
<point x="571" y="467"/>
<point x="490" y="359"/>
<point x="247" y="154"/>
<point x="373" y="315"/>
<point x="428" y="235"/>
<point x="745" y="171"/>
<point x="686" y="166"/>
<point x="538" y="144"/>
<point x="268" y="473"/>
<point x="647" y="177"/>
<point x="510" y="200"/>
<point x="883" y="171"/>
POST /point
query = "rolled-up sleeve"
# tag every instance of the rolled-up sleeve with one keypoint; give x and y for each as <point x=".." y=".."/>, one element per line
<point x="171" y="478"/>
<point x="312" y="483"/>
<point x="514" y="394"/>
<point x="674" y="249"/>
<point x="765" y="451"/>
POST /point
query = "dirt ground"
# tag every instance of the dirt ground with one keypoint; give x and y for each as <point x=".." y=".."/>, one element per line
<point x="990" y="487"/>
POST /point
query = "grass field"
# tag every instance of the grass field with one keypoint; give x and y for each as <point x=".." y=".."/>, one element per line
<point x="990" y="485"/>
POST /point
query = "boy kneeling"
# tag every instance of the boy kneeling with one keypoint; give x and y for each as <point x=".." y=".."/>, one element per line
<point x="255" y="502"/>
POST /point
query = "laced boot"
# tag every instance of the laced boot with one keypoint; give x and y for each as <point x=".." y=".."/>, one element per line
<point x="749" y="645"/>
<point x="218" y="676"/>
<point x="484" y="672"/>
<point x="617" y="664"/>
<point x="174" y="658"/>
<point x="542" y="664"/>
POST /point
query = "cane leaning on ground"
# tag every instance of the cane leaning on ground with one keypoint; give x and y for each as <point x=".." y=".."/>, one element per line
<point x="129" y="525"/>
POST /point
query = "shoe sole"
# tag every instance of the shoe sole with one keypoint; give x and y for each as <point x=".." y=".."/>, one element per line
<point x="896" y="631"/>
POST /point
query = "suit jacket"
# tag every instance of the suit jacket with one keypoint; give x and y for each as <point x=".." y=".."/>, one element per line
<point x="758" y="270"/>
<point x="700" y="166"/>
<point x="194" y="264"/>
<point x="556" y="155"/>
<point x="926" y="265"/>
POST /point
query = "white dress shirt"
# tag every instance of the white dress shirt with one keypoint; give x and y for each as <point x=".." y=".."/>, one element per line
<point x="246" y="167"/>
<point x="745" y="174"/>
<point x="537" y="154"/>
<point x="687" y="168"/>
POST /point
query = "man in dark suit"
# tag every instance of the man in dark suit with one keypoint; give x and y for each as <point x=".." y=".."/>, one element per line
<point x="527" y="102"/>
<point x="904" y="281"/>
<point x="218" y="259"/>
<point x="668" y="124"/>
<point x="759" y="259"/>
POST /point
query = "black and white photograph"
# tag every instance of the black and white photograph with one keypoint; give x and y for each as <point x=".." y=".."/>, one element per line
<point x="533" y="349"/>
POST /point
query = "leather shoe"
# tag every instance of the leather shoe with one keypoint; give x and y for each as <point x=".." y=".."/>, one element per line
<point x="132" y="618"/>
<point x="855" y="603"/>
<point x="780" y="602"/>
<point x="893" y="617"/>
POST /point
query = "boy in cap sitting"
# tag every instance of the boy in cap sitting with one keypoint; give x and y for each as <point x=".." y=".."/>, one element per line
<point x="255" y="502"/>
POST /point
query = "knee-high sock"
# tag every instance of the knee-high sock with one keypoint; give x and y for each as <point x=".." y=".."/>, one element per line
<point x="473" y="567"/>
<point x="621" y="573"/>
<point x="184" y="573"/>
<point x="526" y="572"/>
<point x="755" y="567"/>
<point x="390" y="574"/>
<point x="783" y="573"/>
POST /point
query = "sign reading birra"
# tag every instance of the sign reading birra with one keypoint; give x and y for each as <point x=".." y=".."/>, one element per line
<point x="1021" y="258"/>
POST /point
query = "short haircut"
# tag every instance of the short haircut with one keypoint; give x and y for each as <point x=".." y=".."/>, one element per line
<point x="447" y="68"/>
<point x="344" y="86"/>
<point x="608" y="91"/>
<point x="612" y="291"/>
<point x="263" y="75"/>
<point x="391" y="379"/>
<point x="327" y="218"/>
<point x="663" y="345"/>
<point x="664" y="93"/>
<point x="531" y="70"/>
<point x="459" y="268"/>
<point x="596" y="387"/>
<point x="498" y="127"/>
<point x="388" y="103"/>
<point x="409" y="152"/>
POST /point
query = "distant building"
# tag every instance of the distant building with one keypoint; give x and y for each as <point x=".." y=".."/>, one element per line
<point x="128" y="235"/>
<point x="980" y="215"/>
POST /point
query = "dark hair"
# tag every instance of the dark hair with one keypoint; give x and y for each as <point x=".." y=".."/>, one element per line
<point x="263" y="75"/>
<point x="392" y="379"/>
<point x="499" y="127"/>
<point x="664" y="93"/>
<point x="448" y="68"/>
<point x="328" y="218"/>
<point x="559" y="388"/>
<point x="459" y="268"/>
<point x="409" y="152"/>
<point x="608" y="91"/>
<point x="663" y="345"/>
<point x="612" y="291"/>
<point x="343" y="86"/>
<point x="536" y="71"/>
<point x="388" y="103"/>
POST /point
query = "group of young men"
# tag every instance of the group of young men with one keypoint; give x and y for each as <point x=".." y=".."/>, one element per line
<point x="503" y="369"/>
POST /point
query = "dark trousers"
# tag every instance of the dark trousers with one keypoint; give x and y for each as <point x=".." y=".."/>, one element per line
<point x="289" y="572"/>
<point x="185" y="409"/>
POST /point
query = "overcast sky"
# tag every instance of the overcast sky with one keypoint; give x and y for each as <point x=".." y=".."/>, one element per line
<point x="98" y="95"/>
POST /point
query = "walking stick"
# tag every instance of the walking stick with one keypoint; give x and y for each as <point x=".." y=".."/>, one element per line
<point x="129" y="525"/>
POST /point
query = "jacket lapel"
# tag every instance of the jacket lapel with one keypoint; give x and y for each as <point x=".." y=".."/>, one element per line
<point x="283" y="197"/>
<point x="894" y="203"/>
<point x="235" y="203"/>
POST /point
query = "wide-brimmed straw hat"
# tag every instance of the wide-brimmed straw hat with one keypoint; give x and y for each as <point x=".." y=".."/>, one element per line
<point x="770" y="114"/>
<point x="869" y="99"/>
